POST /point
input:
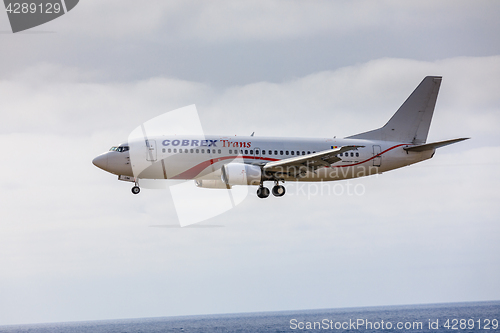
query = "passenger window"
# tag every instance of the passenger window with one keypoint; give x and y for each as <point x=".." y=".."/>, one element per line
<point x="251" y="152"/>
<point x="275" y="152"/>
<point x="263" y="152"/>
<point x="246" y="151"/>
<point x="192" y="151"/>
<point x="230" y="151"/>
<point x="352" y="154"/>
<point x="257" y="152"/>
<point x="219" y="151"/>
<point x="186" y="151"/>
<point x="286" y="152"/>
<point x="292" y="152"/>
<point x="303" y="152"/>
<point x="357" y="154"/>
<point x="197" y="151"/>
<point x="308" y="152"/>
<point x="163" y="150"/>
<point x="175" y="150"/>
<point x="203" y="151"/>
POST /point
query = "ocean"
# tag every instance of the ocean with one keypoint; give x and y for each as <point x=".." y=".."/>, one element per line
<point x="449" y="317"/>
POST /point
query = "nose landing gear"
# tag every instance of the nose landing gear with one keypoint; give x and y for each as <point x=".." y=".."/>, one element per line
<point x="136" y="189"/>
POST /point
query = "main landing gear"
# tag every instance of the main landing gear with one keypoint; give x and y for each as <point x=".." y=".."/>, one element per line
<point x="278" y="191"/>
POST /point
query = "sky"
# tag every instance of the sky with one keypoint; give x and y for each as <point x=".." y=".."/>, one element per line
<point x="76" y="244"/>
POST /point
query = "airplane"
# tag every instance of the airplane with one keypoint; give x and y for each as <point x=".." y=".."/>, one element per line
<point x="220" y="162"/>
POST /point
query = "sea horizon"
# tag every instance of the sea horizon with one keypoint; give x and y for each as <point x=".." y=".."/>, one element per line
<point x="294" y="324"/>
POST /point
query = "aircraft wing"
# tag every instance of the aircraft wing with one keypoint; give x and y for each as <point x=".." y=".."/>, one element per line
<point x="310" y="162"/>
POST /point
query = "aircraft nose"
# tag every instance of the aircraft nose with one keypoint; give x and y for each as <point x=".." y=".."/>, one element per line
<point x="101" y="161"/>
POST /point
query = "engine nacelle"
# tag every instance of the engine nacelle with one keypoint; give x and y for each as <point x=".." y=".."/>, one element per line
<point x="241" y="174"/>
<point x="211" y="183"/>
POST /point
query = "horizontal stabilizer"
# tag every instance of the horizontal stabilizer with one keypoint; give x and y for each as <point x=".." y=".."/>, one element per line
<point x="431" y="146"/>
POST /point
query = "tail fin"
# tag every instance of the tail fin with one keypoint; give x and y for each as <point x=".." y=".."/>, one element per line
<point x="410" y="124"/>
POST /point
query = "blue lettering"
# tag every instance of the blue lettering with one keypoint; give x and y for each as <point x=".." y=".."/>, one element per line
<point x="194" y="142"/>
<point x="212" y="143"/>
<point x="203" y="143"/>
<point x="166" y="142"/>
<point x="185" y="142"/>
<point x="175" y="142"/>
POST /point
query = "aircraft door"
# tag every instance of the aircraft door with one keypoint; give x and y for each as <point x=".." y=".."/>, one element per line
<point x="378" y="159"/>
<point x="150" y="150"/>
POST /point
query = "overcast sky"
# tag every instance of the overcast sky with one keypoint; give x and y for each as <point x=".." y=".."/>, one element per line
<point x="75" y="244"/>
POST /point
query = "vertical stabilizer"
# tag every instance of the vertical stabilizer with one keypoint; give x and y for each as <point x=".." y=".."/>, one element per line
<point x="412" y="120"/>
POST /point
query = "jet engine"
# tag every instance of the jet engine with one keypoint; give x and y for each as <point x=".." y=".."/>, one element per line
<point x="241" y="174"/>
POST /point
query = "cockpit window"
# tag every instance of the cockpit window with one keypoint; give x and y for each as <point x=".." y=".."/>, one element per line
<point x="119" y="149"/>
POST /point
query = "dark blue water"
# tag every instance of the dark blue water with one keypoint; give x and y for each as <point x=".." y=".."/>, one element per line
<point x="452" y="317"/>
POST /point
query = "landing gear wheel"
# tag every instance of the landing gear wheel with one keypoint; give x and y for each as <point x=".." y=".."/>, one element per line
<point x="278" y="191"/>
<point x="136" y="190"/>
<point x="262" y="192"/>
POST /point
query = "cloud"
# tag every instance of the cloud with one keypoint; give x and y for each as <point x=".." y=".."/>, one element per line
<point x="222" y="20"/>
